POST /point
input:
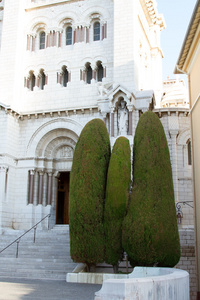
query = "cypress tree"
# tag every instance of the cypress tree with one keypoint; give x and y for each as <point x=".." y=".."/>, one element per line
<point x="87" y="193"/>
<point x="117" y="193"/>
<point x="150" y="232"/>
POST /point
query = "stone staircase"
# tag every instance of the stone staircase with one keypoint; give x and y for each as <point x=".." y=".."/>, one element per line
<point x="47" y="258"/>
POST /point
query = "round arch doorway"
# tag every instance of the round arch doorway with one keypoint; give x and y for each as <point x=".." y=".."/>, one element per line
<point x="62" y="203"/>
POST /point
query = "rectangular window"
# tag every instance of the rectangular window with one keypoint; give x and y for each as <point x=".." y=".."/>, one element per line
<point x="69" y="36"/>
<point x="96" y="31"/>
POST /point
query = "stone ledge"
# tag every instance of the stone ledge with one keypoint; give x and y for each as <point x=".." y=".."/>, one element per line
<point x="147" y="283"/>
<point x="80" y="276"/>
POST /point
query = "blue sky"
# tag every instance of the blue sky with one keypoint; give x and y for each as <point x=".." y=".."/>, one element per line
<point x="177" y="14"/>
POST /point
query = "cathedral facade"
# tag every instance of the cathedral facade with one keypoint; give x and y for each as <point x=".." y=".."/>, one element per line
<point x="64" y="63"/>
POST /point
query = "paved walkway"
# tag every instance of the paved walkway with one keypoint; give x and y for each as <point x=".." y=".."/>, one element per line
<point x="26" y="289"/>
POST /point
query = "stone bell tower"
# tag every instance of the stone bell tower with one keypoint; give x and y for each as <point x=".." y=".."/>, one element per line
<point x="137" y="52"/>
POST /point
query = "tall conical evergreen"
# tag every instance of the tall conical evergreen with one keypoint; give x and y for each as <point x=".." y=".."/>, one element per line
<point x="150" y="232"/>
<point x="117" y="193"/>
<point x="87" y="193"/>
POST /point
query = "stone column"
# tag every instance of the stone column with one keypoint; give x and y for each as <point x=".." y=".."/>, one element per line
<point x="36" y="186"/>
<point x="105" y="30"/>
<point x="46" y="79"/>
<point x="49" y="191"/>
<point x="31" y="186"/>
<point x="130" y="119"/>
<point x="60" y="39"/>
<point x="104" y="72"/>
<point x="83" y="34"/>
<point x="55" y="38"/>
<point x="33" y="43"/>
<point x="40" y="187"/>
<point x="28" y="42"/>
<point x="3" y="172"/>
<point x="115" y="124"/>
<point x="112" y="133"/>
<point x="45" y="182"/>
<point x="47" y="40"/>
<point x="93" y="80"/>
<point x="173" y="131"/>
<point x="104" y="117"/>
<point x="75" y="35"/>
<point x="174" y="134"/>
<point x="87" y="35"/>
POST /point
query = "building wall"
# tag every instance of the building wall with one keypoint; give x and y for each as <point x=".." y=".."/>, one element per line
<point x="193" y="70"/>
<point x="40" y="127"/>
<point x="127" y="38"/>
<point x="176" y="124"/>
<point x="188" y="258"/>
<point x="35" y="121"/>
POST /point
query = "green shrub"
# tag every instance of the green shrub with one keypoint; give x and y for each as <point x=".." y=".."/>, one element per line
<point x="150" y="232"/>
<point x="87" y="193"/>
<point x="117" y="193"/>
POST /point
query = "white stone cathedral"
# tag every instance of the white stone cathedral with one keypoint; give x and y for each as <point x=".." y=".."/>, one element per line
<point x="63" y="63"/>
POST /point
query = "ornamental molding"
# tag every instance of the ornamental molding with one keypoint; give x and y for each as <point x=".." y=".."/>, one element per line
<point x="4" y="169"/>
<point x="48" y="113"/>
<point x="152" y="15"/>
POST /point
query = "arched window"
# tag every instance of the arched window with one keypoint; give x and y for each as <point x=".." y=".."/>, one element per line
<point x="96" y="31"/>
<point x="31" y="81"/>
<point x="65" y="76"/>
<point x="99" y="71"/>
<point x="42" y="40"/>
<point x="69" y="35"/>
<point x="189" y="151"/>
<point x="88" y="73"/>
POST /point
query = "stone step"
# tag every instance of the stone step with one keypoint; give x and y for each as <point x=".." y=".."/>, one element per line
<point x="34" y="251"/>
<point x="36" y="261"/>
<point x="36" y="275"/>
<point x="47" y="258"/>
<point x="36" y="266"/>
<point x="26" y="260"/>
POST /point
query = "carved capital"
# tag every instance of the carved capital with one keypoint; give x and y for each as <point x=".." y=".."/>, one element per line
<point x="3" y="169"/>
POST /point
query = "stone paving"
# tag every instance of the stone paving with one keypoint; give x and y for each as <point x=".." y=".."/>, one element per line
<point x="22" y="289"/>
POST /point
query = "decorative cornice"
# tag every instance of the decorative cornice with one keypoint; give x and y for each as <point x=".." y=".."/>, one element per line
<point x="38" y="4"/>
<point x="47" y="113"/>
<point x="169" y="111"/>
<point x="150" y="8"/>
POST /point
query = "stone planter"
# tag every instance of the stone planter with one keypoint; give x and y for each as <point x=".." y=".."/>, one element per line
<point x="147" y="284"/>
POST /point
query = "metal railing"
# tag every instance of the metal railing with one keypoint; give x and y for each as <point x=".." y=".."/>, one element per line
<point x="19" y="238"/>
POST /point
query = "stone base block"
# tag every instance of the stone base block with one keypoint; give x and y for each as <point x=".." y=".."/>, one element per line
<point x="148" y="284"/>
